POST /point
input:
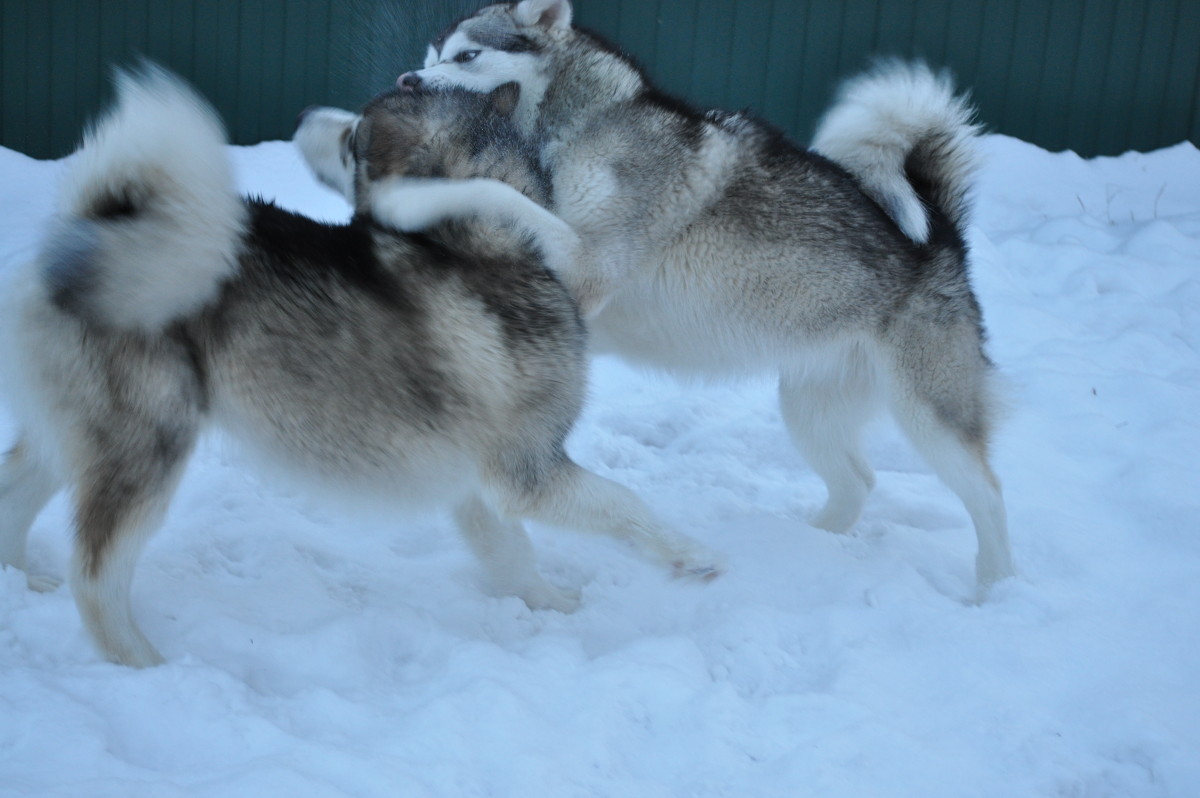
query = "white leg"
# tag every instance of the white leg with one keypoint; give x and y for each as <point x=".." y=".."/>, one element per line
<point x="25" y="488"/>
<point x="825" y="412"/>
<point x="506" y="552"/>
<point x="962" y="465"/>
<point x="578" y="499"/>
<point x="102" y="595"/>
<point x="966" y="472"/>
<point x="120" y="499"/>
<point x="415" y="204"/>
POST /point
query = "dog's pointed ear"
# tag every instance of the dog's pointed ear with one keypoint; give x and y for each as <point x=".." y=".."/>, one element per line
<point x="504" y="98"/>
<point x="544" y="13"/>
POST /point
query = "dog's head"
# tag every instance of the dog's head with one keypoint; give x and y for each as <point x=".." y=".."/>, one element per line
<point x="501" y="43"/>
<point x="445" y="134"/>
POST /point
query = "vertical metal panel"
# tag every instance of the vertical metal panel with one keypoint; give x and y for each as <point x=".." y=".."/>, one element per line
<point x="1098" y="76"/>
<point x="259" y="61"/>
<point x="1184" y="72"/>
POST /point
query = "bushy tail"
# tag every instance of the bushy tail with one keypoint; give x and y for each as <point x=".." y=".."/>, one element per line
<point x="900" y="129"/>
<point x="149" y="221"/>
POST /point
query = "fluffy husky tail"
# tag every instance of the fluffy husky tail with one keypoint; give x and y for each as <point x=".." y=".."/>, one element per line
<point x="149" y="221"/>
<point x="908" y="139"/>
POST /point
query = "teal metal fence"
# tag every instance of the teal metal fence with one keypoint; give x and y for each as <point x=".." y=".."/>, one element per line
<point x="1096" y="76"/>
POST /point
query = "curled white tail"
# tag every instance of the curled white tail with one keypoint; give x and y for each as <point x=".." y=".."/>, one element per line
<point x="149" y="220"/>
<point x="900" y="122"/>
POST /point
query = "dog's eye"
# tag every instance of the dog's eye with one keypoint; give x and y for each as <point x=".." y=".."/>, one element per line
<point x="465" y="56"/>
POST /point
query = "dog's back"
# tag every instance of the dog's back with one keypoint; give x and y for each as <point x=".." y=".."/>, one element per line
<point x="332" y="334"/>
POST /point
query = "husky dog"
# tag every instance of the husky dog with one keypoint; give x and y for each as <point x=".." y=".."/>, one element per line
<point x="447" y="366"/>
<point x="717" y="247"/>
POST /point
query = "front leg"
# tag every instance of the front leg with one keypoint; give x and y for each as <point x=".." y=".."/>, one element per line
<point x="26" y="485"/>
<point x="504" y="549"/>
<point x="415" y="204"/>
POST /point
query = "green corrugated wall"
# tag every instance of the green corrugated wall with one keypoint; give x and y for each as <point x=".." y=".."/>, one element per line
<point x="1096" y="76"/>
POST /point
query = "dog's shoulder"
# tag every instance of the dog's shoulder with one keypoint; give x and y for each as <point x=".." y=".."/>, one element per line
<point x="282" y="245"/>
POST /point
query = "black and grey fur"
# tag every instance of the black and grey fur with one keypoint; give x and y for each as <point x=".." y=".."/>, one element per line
<point x="446" y="366"/>
<point x="715" y="246"/>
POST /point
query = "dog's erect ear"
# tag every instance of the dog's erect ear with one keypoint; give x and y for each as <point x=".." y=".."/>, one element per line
<point x="504" y="98"/>
<point x="544" y="13"/>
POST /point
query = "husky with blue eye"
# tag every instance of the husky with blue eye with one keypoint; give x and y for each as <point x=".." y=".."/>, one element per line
<point x="445" y="366"/>
<point x="717" y="247"/>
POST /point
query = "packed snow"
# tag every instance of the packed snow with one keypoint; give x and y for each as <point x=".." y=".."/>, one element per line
<point x="316" y="648"/>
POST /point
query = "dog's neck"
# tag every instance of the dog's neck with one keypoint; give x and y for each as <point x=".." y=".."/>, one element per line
<point x="583" y="80"/>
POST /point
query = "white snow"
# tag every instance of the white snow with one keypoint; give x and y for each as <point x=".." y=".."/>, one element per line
<point x="318" y="650"/>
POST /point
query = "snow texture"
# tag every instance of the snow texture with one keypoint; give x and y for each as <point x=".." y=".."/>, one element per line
<point x="316" y="649"/>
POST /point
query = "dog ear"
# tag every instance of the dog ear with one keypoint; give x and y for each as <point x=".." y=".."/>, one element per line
<point x="504" y="98"/>
<point x="544" y="13"/>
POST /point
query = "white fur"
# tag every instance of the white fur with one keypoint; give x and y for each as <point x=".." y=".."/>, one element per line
<point x="411" y="205"/>
<point x="489" y="69"/>
<point x="876" y="121"/>
<point x="102" y="596"/>
<point x="547" y="13"/>
<point x="506" y="552"/>
<point x="164" y="149"/>
<point x="322" y="136"/>
<point x="25" y="488"/>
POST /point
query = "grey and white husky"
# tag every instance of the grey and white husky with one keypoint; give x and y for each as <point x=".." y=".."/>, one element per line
<point x="446" y="366"/>
<point x="715" y="246"/>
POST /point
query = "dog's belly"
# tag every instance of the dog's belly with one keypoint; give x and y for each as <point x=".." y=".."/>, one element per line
<point x="707" y="307"/>
<point x="682" y="333"/>
<point x="690" y="312"/>
<point x="347" y="447"/>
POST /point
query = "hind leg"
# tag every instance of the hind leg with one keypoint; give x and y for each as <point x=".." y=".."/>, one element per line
<point x="26" y="485"/>
<point x="506" y="552"/>
<point x="555" y="490"/>
<point x="122" y="492"/>
<point x="825" y="409"/>
<point x="940" y="398"/>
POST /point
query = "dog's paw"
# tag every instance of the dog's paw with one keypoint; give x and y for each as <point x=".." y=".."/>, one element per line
<point x="698" y="563"/>
<point x="705" y="573"/>
<point x="991" y="570"/>
<point x="548" y="597"/>
<point x="835" y="518"/>
<point x="43" y="583"/>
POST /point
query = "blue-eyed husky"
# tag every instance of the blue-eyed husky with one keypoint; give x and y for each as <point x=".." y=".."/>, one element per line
<point x="715" y="246"/>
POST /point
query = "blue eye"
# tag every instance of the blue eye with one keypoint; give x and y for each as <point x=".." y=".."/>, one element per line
<point x="465" y="56"/>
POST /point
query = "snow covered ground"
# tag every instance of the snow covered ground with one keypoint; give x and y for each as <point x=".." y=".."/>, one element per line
<point x="323" y="650"/>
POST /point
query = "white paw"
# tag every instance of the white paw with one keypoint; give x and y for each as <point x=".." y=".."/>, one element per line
<point x="990" y="570"/>
<point x="835" y="519"/>
<point x="698" y="562"/>
<point x="548" y="597"/>
<point x="142" y="658"/>
<point x="129" y="648"/>
<point x="43" y="583"/>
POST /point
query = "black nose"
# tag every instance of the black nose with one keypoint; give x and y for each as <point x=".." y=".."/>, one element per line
<point x="409" y="80"/>
<point x="304" y="113"/>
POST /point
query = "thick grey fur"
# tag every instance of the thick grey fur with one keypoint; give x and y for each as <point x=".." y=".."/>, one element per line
<point x="444" y="367"/>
